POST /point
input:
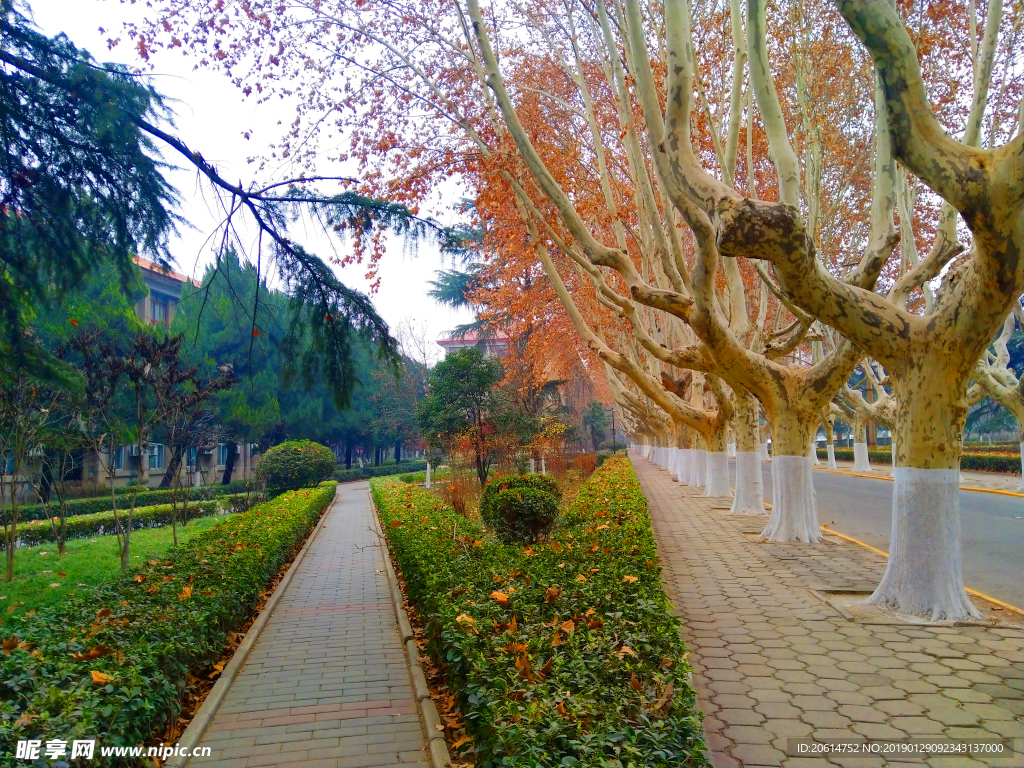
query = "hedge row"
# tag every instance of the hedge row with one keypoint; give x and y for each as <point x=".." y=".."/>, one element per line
<point x="145" y="498"/>
<point x="984" y="462"/>
<point x="83" y="526"/>
<point x="1003" y="446"/>
<point x="562" y="653"/>
<point x="110" y="664"/>
<point x="384" y="470"/>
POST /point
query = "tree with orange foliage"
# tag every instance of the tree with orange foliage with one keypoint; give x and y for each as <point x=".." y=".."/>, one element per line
<point x="603" y="129"/>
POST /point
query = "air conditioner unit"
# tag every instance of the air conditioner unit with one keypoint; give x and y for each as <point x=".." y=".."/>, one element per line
<point x="133" y="450"/>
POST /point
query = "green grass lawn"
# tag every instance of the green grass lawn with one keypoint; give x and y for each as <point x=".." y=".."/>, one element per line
<point x="43" y="578"/>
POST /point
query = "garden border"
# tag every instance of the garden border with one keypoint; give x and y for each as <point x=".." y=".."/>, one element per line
<point x="205" y="714"/>
<point x="429" y="716"/>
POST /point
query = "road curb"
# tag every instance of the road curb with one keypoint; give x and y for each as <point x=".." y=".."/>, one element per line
<point x="197" y="728"/>
<point x="962" y="487"/>
<point x="436" y="745"/>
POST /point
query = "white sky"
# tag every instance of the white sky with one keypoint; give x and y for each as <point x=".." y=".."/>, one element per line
<point x="211" y="117"/>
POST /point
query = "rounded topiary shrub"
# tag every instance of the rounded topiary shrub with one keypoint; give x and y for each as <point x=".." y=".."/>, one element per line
<point x="520" y="515"/>
<point x="499" y="484"/>
<point x="295" y="464"/>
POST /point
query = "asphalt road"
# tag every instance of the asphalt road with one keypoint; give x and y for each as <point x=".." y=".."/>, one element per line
<point x="992" y="526"/>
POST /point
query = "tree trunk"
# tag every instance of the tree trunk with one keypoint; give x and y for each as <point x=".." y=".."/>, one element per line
<point x="794" y="506"/>
<point x="172" y="467"/>
<point x="717" y="465"/>
<point x="683" y="458"/>
<point x="376" y="456"/>
<point x="229" y="463"/>
<point x="830" y="443"/>
<point x="699" y="464"/>
<point x="398" y="451"/>
<point x="861" y="460"/>
<point x="1021" y="488"/>
<point x="348" y="455"/>
<point x="749" y="496"/>
<point x="924" y="576"/>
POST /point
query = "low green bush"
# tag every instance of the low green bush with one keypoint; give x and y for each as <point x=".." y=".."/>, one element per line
<point x="991" y="462"/>
<point x="295" y="464"/>
<point x="1001" y="446"/>
<point x="146" y="498"/>
<point x="496" y="485"/>
<point x="36" y="532"/>
<point x="521" y="515"/>
<point x="111" y="663"/>
<point x="384" y="470"/>
<point x="606" y="453"/>
<point x="562" y="653"/>
<point x="983" y="462"/>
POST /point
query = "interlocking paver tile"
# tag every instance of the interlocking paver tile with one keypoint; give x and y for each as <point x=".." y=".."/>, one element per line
<point x="806" y="669"/>
<point x="326" y="683"/>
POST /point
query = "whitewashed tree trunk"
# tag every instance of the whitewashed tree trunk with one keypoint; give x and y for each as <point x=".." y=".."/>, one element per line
<point x="732" y="450"/>
<point x="1021" y="487"/>
<point x="427" y="484"/>
<point x="718" y="474"/>
<point x="749" y="498"/>
<point x="794" y="505"/>
<point x="543" y="466"/>
<point x="831" y="448"/>
<point x="861" y="462"/>
<point x="533" y="465"/>
<point x="764" y="452"/>
<point x="924" y="573"/>
<point x="685" y="460"/>
<point x="698" y="468"/>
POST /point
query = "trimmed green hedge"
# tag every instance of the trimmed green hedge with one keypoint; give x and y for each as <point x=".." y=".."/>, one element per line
<point x="583" y="677"/>
<point x="146" y="630"/>
<point x="384" y="470"/>
<point x="1002" y="446"/>
<point x="83" y="526"/>
<point x="146" y="498"/>
<point x="496" y="485"/>
<point x="983" y="462"/>
<point x="295" y="464"/>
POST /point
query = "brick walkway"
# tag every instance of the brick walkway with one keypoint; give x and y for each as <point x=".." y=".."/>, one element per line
<point x="327" y="683"/>
<point x="772" y="662"/>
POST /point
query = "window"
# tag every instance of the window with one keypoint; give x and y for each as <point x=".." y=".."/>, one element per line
<point x="190" y="458"/>
<point x="8" y="463"/>
<point x="156" y="456"/>
<point x="119" y="458"/>
<point x="222" y="454"/>
<point x="157" y="310"/>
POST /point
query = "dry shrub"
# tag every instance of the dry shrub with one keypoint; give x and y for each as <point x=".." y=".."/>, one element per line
<point x="454" y="493"/>
<point x="586" y="463"/>
<point x="557" y="465"/>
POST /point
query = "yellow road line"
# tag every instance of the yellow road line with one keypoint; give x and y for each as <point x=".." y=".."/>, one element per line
<point x="962" y="487"/>
<point x="969" y="591"/>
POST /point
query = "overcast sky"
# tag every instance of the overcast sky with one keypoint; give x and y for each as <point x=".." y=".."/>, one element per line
<point x="211" y="117"/>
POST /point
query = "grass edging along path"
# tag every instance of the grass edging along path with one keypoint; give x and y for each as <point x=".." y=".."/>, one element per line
<point x="37" y="532"/>
<point x="43" y="578"/>
<point x="112" y="662"/>
<point x="562" y="653"/>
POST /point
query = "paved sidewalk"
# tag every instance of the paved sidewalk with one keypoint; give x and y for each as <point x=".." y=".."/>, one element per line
<point x="327" y="683"/>
<point x="772" y="662"/>
<point x="992" y="481"/>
